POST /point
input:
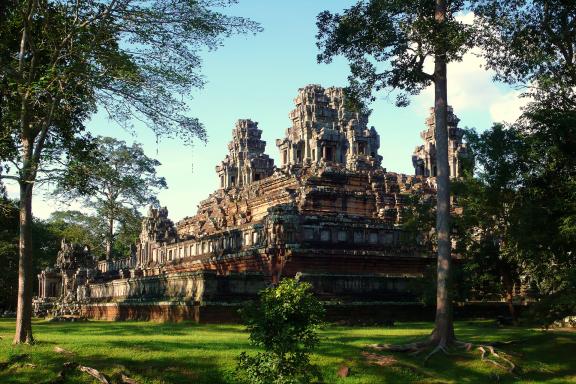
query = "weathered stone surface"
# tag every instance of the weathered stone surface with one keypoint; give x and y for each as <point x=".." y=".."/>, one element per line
<point x="424" y="157"/>
<point x="324" y="131"/>
<point x="246" y="161"/>
<point x="330" y="213"/>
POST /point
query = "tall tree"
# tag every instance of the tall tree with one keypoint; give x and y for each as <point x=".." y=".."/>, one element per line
<point x="489" y="198"/>
<point x="115" y="187"/>
<point x="81" y="228"/>
<point x="61" y="60"/>
<point x="531" y="43"/>
<point x="399" y="36"/>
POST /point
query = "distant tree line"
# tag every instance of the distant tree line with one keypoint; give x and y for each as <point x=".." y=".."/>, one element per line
<point x="75" y="226"/>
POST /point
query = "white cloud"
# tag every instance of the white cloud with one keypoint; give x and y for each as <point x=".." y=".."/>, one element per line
<point x="508" y="107"/>
<point x="471" y="88"/>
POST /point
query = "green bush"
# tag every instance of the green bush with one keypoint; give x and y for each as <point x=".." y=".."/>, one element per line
<point x="284" y="322"/>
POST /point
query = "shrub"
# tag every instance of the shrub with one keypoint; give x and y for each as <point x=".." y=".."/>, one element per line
<point x="284" y="322"/>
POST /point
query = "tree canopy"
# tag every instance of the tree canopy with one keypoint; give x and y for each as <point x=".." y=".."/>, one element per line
<point x="123" y="181"/>
<point x="62" y="60"/>
<point x="387" y="44"/>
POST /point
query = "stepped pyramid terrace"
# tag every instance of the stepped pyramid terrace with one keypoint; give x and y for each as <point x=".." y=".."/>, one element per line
<point x="329" y="212"/>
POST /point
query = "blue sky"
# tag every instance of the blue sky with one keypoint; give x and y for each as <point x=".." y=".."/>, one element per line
<point x="257" y="77"/>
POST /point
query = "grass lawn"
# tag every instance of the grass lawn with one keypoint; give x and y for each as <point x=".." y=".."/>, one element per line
<point x="191" y="353"/>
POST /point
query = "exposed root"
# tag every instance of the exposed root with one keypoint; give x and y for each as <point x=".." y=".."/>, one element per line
<point x="487" y="350"/>
<point x="127" y="380"/>
<point x="62" y="350"/>
<point x="13" y="360"/>
<point x="508" y="365"/>
<point x="410" y="347"/>
<point x="438" y="348"/>
<point x="94" y="373"/>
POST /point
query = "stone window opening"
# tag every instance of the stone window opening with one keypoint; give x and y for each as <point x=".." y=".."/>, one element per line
<point x="373" y="238"/>
<point x="362" y="148"/>
<point x="257" y="177"/>
<point x="329" y="154"/>
<point x="285" y="156"/>
<point x="314" y="154"/>
<point x="299" y="155"/>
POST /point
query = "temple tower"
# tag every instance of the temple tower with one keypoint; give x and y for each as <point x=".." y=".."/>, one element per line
<point x="324" y="130"/>
<point x="424" y="156"/>
<point x="246" y="161"/>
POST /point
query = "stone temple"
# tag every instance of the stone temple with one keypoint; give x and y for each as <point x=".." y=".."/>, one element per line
<point x="329" y="213"/>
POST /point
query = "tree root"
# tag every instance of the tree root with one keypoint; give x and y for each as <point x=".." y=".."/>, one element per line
<point x="13" y="360"/>
<point x="127" y="380"/>
<point x="438" y="348"/>
<point x="487" y="350"/>
<point x="94" y="373"/>
<point x="410" y="347"/>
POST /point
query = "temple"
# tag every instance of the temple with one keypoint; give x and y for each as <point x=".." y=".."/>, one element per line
<point x="424" y="157"/>
<point x="329" y="213"/>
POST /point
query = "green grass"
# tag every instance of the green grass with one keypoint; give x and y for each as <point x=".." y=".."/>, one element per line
<point x="191" y="353"/>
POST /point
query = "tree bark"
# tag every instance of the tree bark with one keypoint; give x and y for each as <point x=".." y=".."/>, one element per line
<point x="110" y="238"/>
<point x="23" y="332"/>
<point x="508" y="282"/>
<point x="443" y="333"/>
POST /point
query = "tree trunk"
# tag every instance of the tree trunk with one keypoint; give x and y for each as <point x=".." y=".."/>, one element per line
<point x="443" y="333"/>
<point x="24" y="310"/>
<point x="109" y="238"/>
<point x="508" y="283"/>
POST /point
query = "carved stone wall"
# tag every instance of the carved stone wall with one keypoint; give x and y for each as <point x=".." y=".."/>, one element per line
<point x="424" y="156"/>
<point x="324" y="130"/>
<point x="246" y="161"/>
<point x="331" y="213"/>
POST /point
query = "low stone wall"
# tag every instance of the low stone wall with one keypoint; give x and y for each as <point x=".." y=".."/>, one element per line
<point x="349" y="313"/>
<point x="183" y="286"/>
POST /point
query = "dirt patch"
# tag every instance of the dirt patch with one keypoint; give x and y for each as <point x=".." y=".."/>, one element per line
<point x="380" y="360"/>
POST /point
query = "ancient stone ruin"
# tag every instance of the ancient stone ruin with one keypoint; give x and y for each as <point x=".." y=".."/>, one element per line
<point x="329" y="213"/>
<point x="424" y="157"/>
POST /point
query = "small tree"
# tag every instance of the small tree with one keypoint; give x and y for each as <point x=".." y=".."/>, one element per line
<point x="284" y="322"/>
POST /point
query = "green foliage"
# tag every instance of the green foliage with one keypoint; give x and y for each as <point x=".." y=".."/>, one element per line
<point x="115" y="187"/>
<point x="388" y="42"/>
<point x="174" y="353"/>
<point x="8" y="254"/>
<point x="284" y="323"/>
<point x="489" y="201"/>
<point x="556" y="306"/>
<point x="531" y="42"/>
<point x="519" y="209"/>
<point x="46" y="242"/>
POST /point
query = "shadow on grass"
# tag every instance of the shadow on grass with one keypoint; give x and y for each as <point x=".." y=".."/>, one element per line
<point x="188" y="352"/>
